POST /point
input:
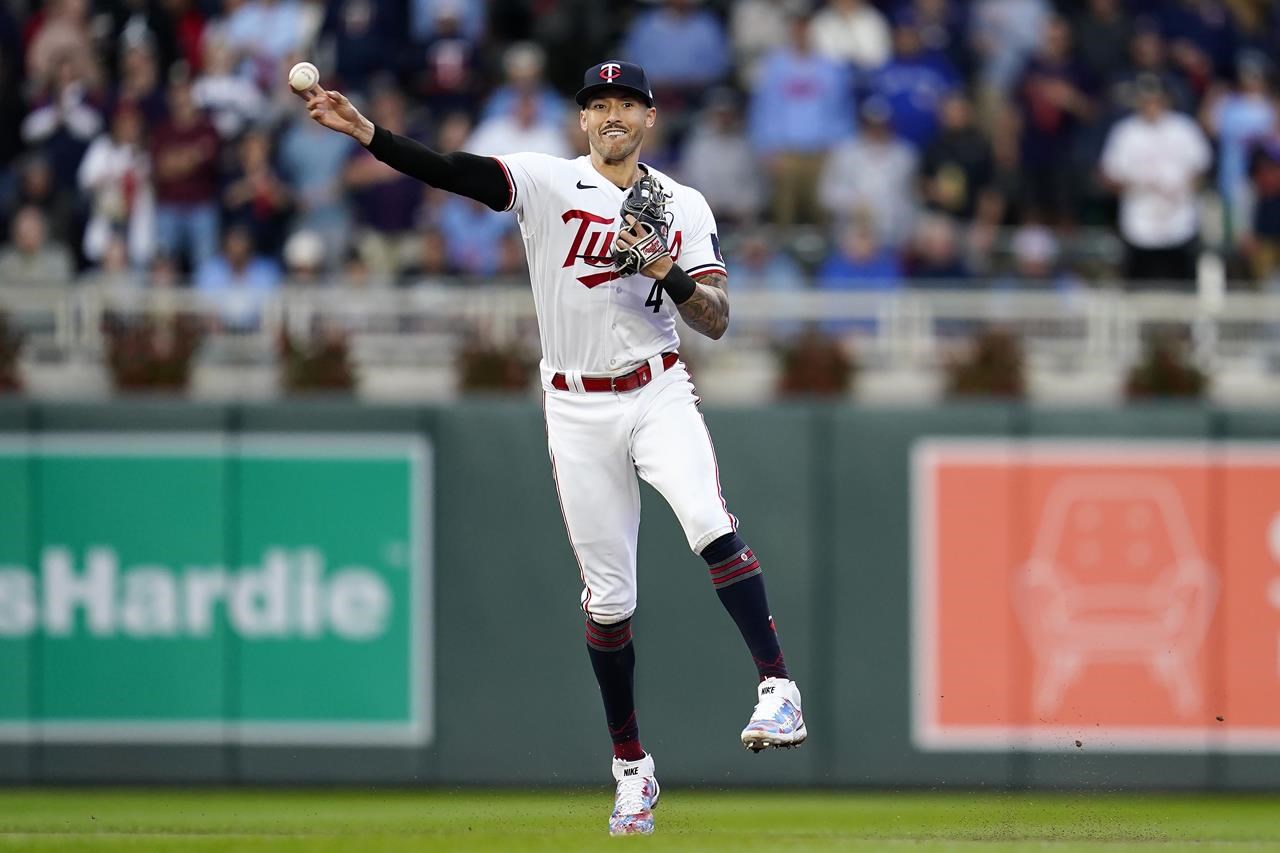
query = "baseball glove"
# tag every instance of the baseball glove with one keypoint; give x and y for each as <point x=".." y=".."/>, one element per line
<point x="647" y="202"/>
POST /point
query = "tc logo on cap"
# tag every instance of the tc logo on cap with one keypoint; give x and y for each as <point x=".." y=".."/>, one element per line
<point x="610" y="71"/>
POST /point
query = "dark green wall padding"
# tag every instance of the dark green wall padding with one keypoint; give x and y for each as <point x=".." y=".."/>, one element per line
<point x="822" y="493"/>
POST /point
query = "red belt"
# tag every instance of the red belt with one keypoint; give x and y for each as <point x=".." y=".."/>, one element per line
<point x="637" y="378"/>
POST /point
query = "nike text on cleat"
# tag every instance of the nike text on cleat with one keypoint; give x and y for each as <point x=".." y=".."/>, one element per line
<point x="636" y="798"/>
<point x="777" y="720"/>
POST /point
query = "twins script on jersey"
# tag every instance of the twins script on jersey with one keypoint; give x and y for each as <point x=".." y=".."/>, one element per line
<point x="592" y="320"/>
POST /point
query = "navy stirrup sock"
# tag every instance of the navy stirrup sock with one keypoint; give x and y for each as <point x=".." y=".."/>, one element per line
<point x="613" y="659"/>
<point x="736" y="576"/>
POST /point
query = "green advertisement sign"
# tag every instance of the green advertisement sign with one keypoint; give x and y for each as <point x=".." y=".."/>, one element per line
<point x="261" y="588"/>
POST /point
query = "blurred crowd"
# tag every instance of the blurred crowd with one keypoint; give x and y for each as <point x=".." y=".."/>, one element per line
<point x="845" y="143"/>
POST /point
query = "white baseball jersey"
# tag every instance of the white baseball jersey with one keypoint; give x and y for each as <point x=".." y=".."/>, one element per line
<point x="593" y="321"/>
<point x="597" y="323"/>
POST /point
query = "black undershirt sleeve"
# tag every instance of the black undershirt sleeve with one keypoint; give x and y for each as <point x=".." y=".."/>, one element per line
<point x="480" y="178"/>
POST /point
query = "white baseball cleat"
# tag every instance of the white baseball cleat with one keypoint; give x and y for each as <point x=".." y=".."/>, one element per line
<point x="777" y="720"/>
<point x="636" y="798"/>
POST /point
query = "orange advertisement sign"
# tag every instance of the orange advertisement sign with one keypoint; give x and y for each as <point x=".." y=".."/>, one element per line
<point x="1100" y="594"/>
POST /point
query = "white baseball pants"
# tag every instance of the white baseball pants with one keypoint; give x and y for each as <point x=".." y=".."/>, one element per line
<point x="599" y="442"/>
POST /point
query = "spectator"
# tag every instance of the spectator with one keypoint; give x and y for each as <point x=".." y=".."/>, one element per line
<point x="935" y="258"/>
<point x="36" y="188"/>
<point x="62" y="126"/>
<point x="1203" y="39"/>
<point x="312" y="161"/>
<point x="256" y="197"/>
<point x="1262" y="241"/>
<point x="304" y="259"/>
<point x="185" y="151"/>
<point x="261" y="33"/>
<point x="851" y="32"/>
<point x="858" y="262"/>
<point x="11" y="43"/>
<point x="683" y="50"/>
<point x="430" y="262"/>
<point x="63" y="37"/>
<point x="1101" y="35"/>
<point x="139" y="84"/>
<point x="799" y="110"/>
<point x="757" y="265"/>
<point x="362" y="35"/>
<point x="12" y="111"/>
<point x="913" y="83"/>
<point x="1036" y="255"/>
<point x="164" y="274"/>
<point x="944" y="29"/>
<point x="237" y="282"/>
<point x="187" y="22"/>
<point x="114" y="269"/>
<point x="356" y="274"/>
<point x="756" y="29"/>
<point x="520" y="128"/>
<point x="873" y="177"/>
<point x="523" y="65"/>
<point x="173" y="28"/>
<point x="1234" y="119"/>
<point x="232" y="101"/>
<point x="30" y="259"/>
<point x="1155" y="159"/>
<point x="1004" y="33"/>
<point x="425" y="17"/>
<point x="1052" y="104"/>
<point x="957" y="170"/>
<point x="575" y="34"/>
<point x="1147" y="55"/>
<point x="116" y="175"/>
<point x="452" y="133"/>
<point x="472" y="236"/>
<point x="386" y="202"/>
<point x="719" y="155"/>
<point x="444" y="67"/>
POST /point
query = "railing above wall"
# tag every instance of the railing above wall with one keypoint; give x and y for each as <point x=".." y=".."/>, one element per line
<point x="1076" y="334"/>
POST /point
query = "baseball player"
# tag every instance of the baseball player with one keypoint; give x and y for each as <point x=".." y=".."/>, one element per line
<point x="616" y="250"/>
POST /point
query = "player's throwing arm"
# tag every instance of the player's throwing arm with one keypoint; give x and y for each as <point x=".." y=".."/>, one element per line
<point x="616" y="251"/>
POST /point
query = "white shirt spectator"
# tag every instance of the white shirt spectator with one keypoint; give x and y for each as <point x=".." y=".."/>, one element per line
<point x="756" y="27"/>
<point x="1157" y="163"/>
<point x="117" y="178"/>
<point x="508" y="134"/>
<point x="872" y="176"/>
<point x="852" y="31"/>
<point x="718" y="156"/>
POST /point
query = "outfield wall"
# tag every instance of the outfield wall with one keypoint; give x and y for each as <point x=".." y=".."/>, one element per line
<point x="333" y="592"/>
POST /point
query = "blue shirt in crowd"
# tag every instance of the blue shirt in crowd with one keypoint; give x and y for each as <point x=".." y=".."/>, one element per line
<point x="879" y="273"/>
<point x="683" y="50"/>
<point x="803" y="102"/>
<point x="552" y="107"/>
<point x="915" y="88"/>
<point x="238" y="296"/>
<point x="472" y="235"/>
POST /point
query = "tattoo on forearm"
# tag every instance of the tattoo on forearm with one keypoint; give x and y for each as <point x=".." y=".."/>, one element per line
<point x="707" y="311"/>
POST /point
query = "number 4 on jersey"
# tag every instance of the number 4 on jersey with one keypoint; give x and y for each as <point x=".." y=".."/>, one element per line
<point x="655" y="298"/>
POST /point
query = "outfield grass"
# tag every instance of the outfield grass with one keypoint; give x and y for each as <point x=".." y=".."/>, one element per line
<point x="369" y="821"/>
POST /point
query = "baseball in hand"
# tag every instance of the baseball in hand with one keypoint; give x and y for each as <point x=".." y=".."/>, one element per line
<point x="303" y="76"/>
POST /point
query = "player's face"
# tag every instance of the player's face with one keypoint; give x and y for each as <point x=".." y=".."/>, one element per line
<point x="615" y="124"/>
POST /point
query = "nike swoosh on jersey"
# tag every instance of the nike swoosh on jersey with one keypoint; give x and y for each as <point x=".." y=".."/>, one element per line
<point x="583" y="186"/>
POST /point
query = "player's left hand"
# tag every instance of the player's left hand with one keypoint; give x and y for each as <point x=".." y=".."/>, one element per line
<point x="633" y="234"/>
<point x="641" y="244"/>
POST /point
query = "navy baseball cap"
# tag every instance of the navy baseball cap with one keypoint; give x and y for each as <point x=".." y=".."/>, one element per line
<point x="614" y="74"/>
